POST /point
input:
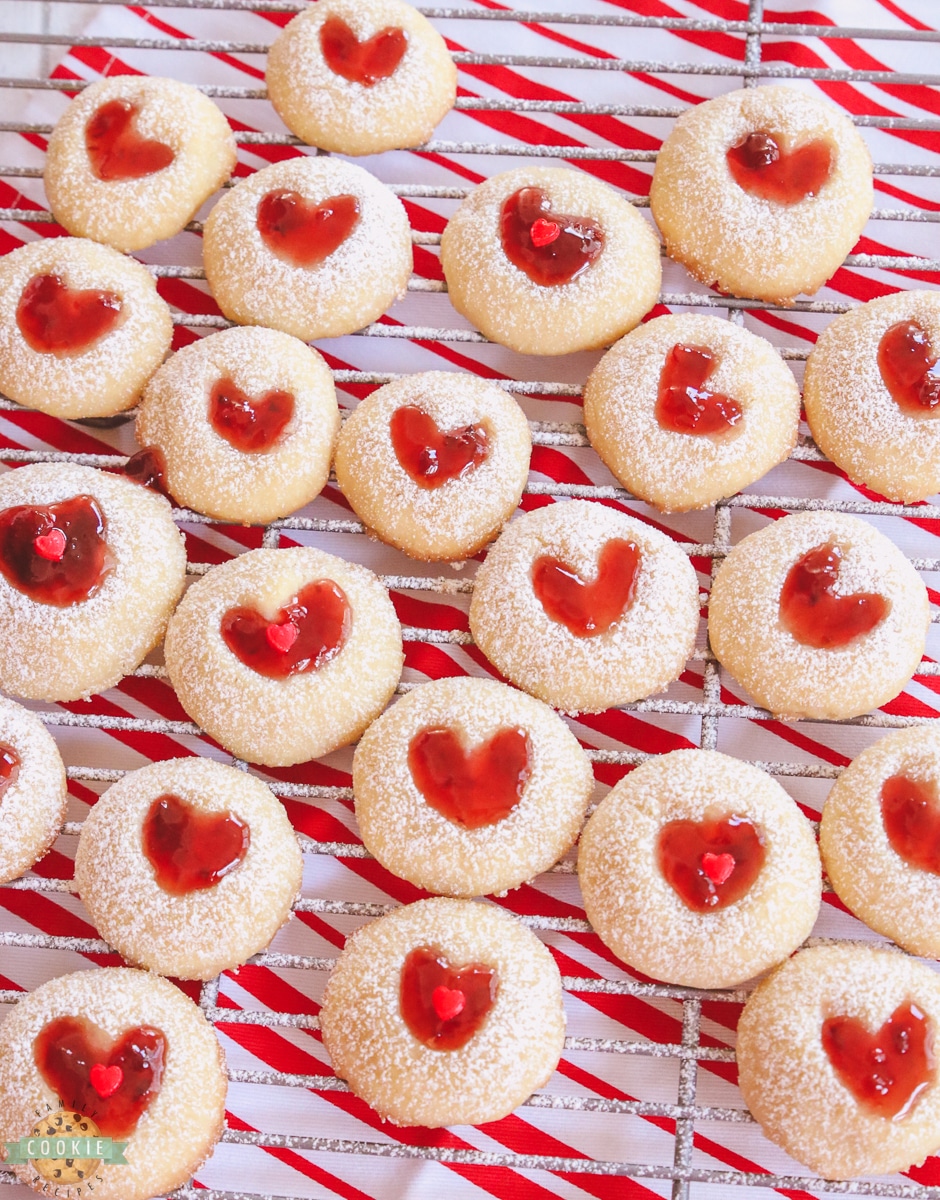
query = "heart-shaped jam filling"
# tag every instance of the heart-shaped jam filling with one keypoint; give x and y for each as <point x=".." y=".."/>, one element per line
<point x="474" y="787"/>
<point x="148" y="468"/>
<point x="361" y="62"/>
<point x="712" y="863"/>
<point x="116" y="150"/>
<point x="683" y="405"/>
<point x="55" y="553"/>
<point x="445" y="1006"/>
<point x="111" y="1081"/>
<point x="911" y="815"/>
<point x="251" y="426"/>
<point x="430" y="457"/>
<point x="588" y="609"/>
<point x="59" y="320"/>
<point x="304" y="635"/>
<point x="814" y="614"/>
<point x="191" y="850"/>
<point x="763" y="168"/>
<point x="301" y="232"/>
<point x="906" y="361"/>
<point x="551" y="248"/>
<point x="9" y="768"/>
<point x="885" y="1071"/>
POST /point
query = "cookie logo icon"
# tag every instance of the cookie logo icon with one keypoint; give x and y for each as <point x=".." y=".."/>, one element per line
<point x="65" y="1130"/>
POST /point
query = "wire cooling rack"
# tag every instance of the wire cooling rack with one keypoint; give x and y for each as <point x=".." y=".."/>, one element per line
<point x="671" y="1041"/>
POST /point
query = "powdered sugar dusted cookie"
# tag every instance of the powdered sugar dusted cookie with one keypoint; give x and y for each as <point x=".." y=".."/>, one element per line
<point x="361" y="76"/>
<point x="444" y="1012"/>
<point x="688" y="409"/>
<point x="315" y="247"/>
<point x="466" y="786"/>
<point x="762" y="192"/>
<point x="548" y="260"/>
<point x="91" y="567"/>
<point x="435" y="463"/>
<point x="245" y="422"/>
<point x="116" y="1053"/>
<point x="836" y="1060"/>
<point x="82" y="328"/>
<point x="32" y="790"/>
<point x="698" y="869"/>
<point x="872" y="395"/>
<point x="585" y="607"/>
<point x="284" y="655"/>
<point x="209" y="856"/>
<point x="133" y="157"/>
<point x="819" y="615"/>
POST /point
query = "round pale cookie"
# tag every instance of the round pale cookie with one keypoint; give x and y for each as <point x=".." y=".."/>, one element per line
<point x="405" y="1077"/>
<point x="638" y="646"/>
<point x="180" y="1124"/>
<point x="32" y="790"/>
<point x="281" y="721"/>
<point x="744" y="243"/>
<point x="469" y="427"/>
<point x="255" y="284"/>
<point x="133" y="157"/>
<point x="660" y="368"/>
<point x="791" y="1084"/>
<point x="49" y="291"/>
<point x="794" y="679"/>
<point x="468" y="787"/>
<point x="50" y="651"/>
<point x="851" y="412"/>
<point x="731" y="814"/>
<point x="234" y="867"/>
<point x="361" y="76"/>
<point x="601" y="303"/>
<point x="262" y="379"/>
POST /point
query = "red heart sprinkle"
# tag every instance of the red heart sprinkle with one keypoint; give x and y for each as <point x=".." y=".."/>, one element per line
<point x="543" y="232"/>
<point x="718" y="867"/>
<point x="282" y="637"/>
<point x="105" y="1080"/>
<point x="51" y="545"/>
<point x="448" y="1002"/>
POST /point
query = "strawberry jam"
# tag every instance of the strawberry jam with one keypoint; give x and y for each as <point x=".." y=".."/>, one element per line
<point x="361" y="62"/>
<point x="474" y="787"/>
<point x="814" y="614"/>
<point x="64" y="321"/>
<point x="113" y="1082"/>
<point x="885" y="1071"/>
<point x="588" y="609"/>
<point x="683" y="404"/>
<point x="304" y="636"/>
<point x="56" y="553"/>
<point x="760" y="165"/>
<point x="550" y="248"/>
<point x="251" y="426"/>
<point x="189" y="850"/>
<point x="116" y="150"/>
<point x="148" y="468"/>
<point x="430" y="457"/>
<point x="9" y="768"/>
<point x="712" y="863"/>
<point x="301" y="232"/>
<point x="906" y="361"/>
<point x="445" y="1006"/>
<point x="911" y="817"/>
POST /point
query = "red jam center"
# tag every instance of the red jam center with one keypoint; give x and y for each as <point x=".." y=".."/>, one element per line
<point x="361" y="62"/>
<point x="191" y="850"/>
<point x="911" y="816"/>
<point x="116" y="150"/>
<point x="814" y="614"/>
<point x="251" y="426"/>
<point x="760" y="165"/>
<point x="445" y="1006"/>
<point x="59" y="320"/>
<point x="9" y="768"/>
<point x="711" y="864"/>
<point x="301" y="232"/>
<point x="683" y="405"/>
<point x="885" y="1071"/>
<point x="906" y="361"/>
<point x="57" y="553"/>
<point x="430" y="457"/>
<point x="588" y="609"/>
<point x="304" y="636"/>
<point x="148" y="468"/>
<point x="549" y="247"/>
<point x="113" y="1082"/>
<point x="474" y="787"/>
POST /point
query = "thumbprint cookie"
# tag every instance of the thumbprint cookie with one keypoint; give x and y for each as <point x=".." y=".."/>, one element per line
<point x="32" y="790"/>
<point x="819" y="615"/>
<point x="444" y="1012"/>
